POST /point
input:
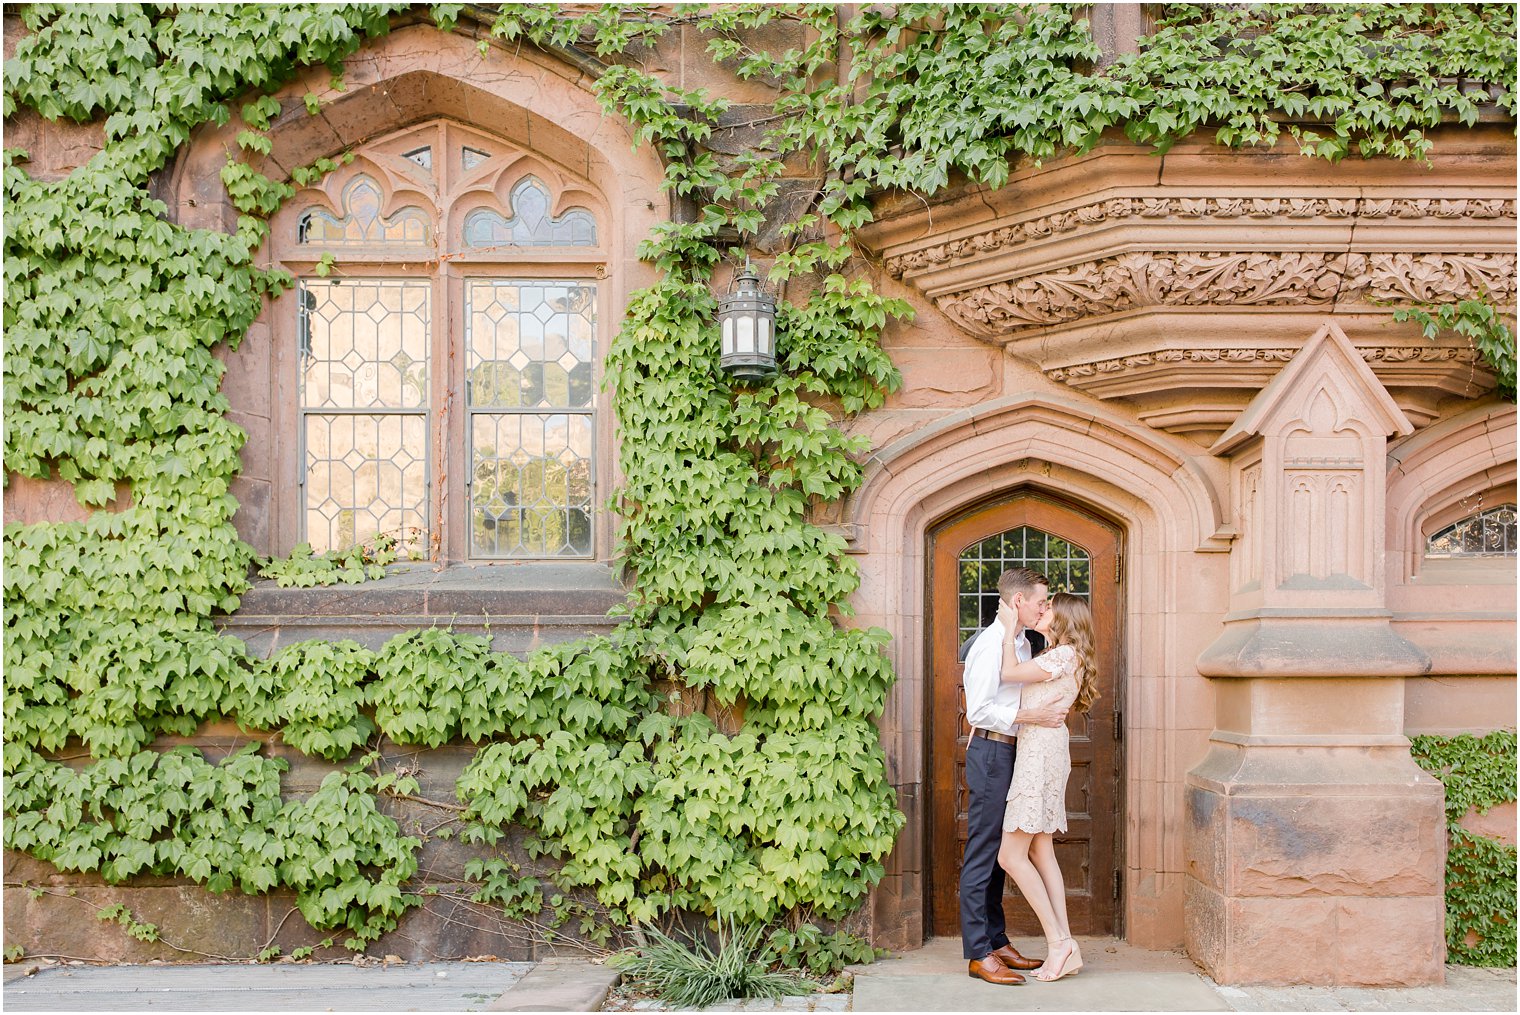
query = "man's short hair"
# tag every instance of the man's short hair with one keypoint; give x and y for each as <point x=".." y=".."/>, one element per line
<point x="1019" y="579"/>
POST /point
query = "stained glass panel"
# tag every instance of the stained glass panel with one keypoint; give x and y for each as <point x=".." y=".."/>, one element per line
<point x="364" y="346"/>
<point x="1488" y="533"/>
<point x="530" y="343"/>
<point x="529" y="347"/>
<point x="530" y="493"/>
<point x="364" y="343"/>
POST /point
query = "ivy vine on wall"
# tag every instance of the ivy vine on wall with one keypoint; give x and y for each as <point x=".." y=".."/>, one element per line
<point x="114" y="315"/>
<point x="1479" y="774"/>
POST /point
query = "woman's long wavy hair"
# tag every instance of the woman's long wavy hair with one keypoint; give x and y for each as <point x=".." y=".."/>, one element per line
<point x="1071" y="624"/>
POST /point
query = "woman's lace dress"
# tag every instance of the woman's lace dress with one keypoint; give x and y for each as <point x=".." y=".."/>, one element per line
<point x="1037" y="795"/>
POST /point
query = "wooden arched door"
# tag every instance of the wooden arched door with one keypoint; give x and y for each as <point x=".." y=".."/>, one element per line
<point x="1080" y="554"/>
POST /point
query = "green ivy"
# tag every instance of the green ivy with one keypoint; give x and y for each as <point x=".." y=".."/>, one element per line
<point x="1482" y="324"/>
<point x="356" y="564"/>
<point x="1478" y="773"/>
<point x="114" y="317"/>
<point x="817" y="951"/>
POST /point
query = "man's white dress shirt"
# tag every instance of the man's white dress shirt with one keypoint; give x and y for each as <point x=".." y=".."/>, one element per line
<point x="990" y="703"/>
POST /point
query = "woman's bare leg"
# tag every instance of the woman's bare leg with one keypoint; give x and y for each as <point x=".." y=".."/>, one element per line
<point x="1042" y="852"/>
<point x="1013" y="855"/>
<point x="1062" y="954"/>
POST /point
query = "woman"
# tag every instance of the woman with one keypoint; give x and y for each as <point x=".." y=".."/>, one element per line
<point x="1061" y="675"/>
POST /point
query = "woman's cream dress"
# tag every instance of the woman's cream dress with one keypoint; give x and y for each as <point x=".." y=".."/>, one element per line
<point x="1037" y="795"/>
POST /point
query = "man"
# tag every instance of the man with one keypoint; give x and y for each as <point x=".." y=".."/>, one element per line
<point x="992" y="709"/>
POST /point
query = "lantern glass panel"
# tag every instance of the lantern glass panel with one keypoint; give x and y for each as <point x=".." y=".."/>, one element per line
<point x="746" y="323"/>
<point x="728" y="335"/>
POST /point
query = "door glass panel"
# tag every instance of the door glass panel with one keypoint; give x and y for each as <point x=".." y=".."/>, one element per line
<point x="1066" y="564"/>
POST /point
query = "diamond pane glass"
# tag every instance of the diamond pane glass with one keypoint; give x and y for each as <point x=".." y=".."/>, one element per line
<point x="1067" y="565"/>
<point x="529" y="344"/>
<point x="364" y="344"/>
<point x="361" y="223"/>
<point x="530" y="224"/>
<point x="366" y="474"/>
<point x="1488" y="533"/>
<point x="530" y="494"/>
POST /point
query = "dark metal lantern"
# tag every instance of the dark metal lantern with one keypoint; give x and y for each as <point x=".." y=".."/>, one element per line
<point x="748" y="319"/>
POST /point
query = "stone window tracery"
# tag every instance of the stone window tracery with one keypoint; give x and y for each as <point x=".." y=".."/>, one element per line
<point x="1489" y="533"/>
<point x="446" y="388"/>
<point x="530" y="224"/>
<point x="361" y="222"/>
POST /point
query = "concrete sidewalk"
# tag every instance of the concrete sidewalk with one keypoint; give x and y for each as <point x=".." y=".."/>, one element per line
<point x="433" y="986"/>
<point x="1118" y="977"/>
<point x="1115" y="977"/>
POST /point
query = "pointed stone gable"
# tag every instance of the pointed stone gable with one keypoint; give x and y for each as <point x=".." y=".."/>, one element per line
<point x="1327" y="391"/>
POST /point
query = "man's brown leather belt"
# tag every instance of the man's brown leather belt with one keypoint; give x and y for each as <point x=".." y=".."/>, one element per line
<point x="1001" y="738"/>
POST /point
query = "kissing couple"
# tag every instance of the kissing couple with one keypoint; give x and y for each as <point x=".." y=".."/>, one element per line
<point x="1023" y="673"/>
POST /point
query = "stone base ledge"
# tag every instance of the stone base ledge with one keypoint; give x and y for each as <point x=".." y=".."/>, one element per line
<point x="1370" y="942"/>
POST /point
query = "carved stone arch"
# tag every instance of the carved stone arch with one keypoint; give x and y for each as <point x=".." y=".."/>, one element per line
<point x="1433" y="473"/>
<point x="1100" y="444"/>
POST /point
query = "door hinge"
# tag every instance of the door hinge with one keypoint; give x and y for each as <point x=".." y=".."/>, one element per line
<point x="1117" y="877"/>
<point x="1118" y="725"/>
<point x="1118" y="568"/>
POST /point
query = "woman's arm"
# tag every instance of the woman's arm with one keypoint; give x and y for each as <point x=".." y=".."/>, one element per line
<point x="1023" y="673"/>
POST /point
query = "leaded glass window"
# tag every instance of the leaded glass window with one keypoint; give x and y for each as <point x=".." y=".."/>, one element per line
<point x="529" y="352"/>
<point x="1488" y="533"/>
<point x="364" y="349"/>
<point x="446" y="388"/>
<point x="1067" y="565"/>
<point x="530" y="224"/>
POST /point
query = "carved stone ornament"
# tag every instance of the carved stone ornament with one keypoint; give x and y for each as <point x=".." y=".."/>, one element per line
<point x="1244" y="279"/>
<point x="1181" y="286"/>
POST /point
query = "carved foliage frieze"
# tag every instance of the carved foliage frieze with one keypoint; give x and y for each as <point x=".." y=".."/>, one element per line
<point x="1184" y="279"/>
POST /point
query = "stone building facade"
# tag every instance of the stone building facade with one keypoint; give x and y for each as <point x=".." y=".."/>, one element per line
<point x="1171" y="381"/>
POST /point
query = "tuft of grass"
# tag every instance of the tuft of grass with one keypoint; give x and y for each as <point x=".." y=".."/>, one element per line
<point x="690" y="976"/>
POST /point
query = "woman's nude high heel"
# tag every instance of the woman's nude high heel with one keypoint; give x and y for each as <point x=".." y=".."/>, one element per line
<point x="1069" y="965"/>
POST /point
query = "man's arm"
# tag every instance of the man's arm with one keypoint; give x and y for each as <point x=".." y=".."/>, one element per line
<point x="1042" y="715"/>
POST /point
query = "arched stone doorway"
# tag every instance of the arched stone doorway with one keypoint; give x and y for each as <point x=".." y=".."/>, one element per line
<point x="1168" y="510"/>
<point x="1080" y="553"/>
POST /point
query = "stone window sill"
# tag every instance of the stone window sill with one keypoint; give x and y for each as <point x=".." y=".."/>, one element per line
<point x="469" y="593"/>
<point x="1466" y="571"/>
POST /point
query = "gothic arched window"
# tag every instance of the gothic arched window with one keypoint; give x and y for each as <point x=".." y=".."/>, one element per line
<point x="446" y="337"/>
<point x="1489" y="533"/>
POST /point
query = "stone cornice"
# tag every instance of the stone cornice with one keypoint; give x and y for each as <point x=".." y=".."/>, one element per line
<point x="999" y="310"/>
<point x="1214" y="208"/>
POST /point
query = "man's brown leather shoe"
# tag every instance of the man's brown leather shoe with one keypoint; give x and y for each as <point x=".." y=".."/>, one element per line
<point x="1010" y="957"/>
<point x="1003" y="976"/>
